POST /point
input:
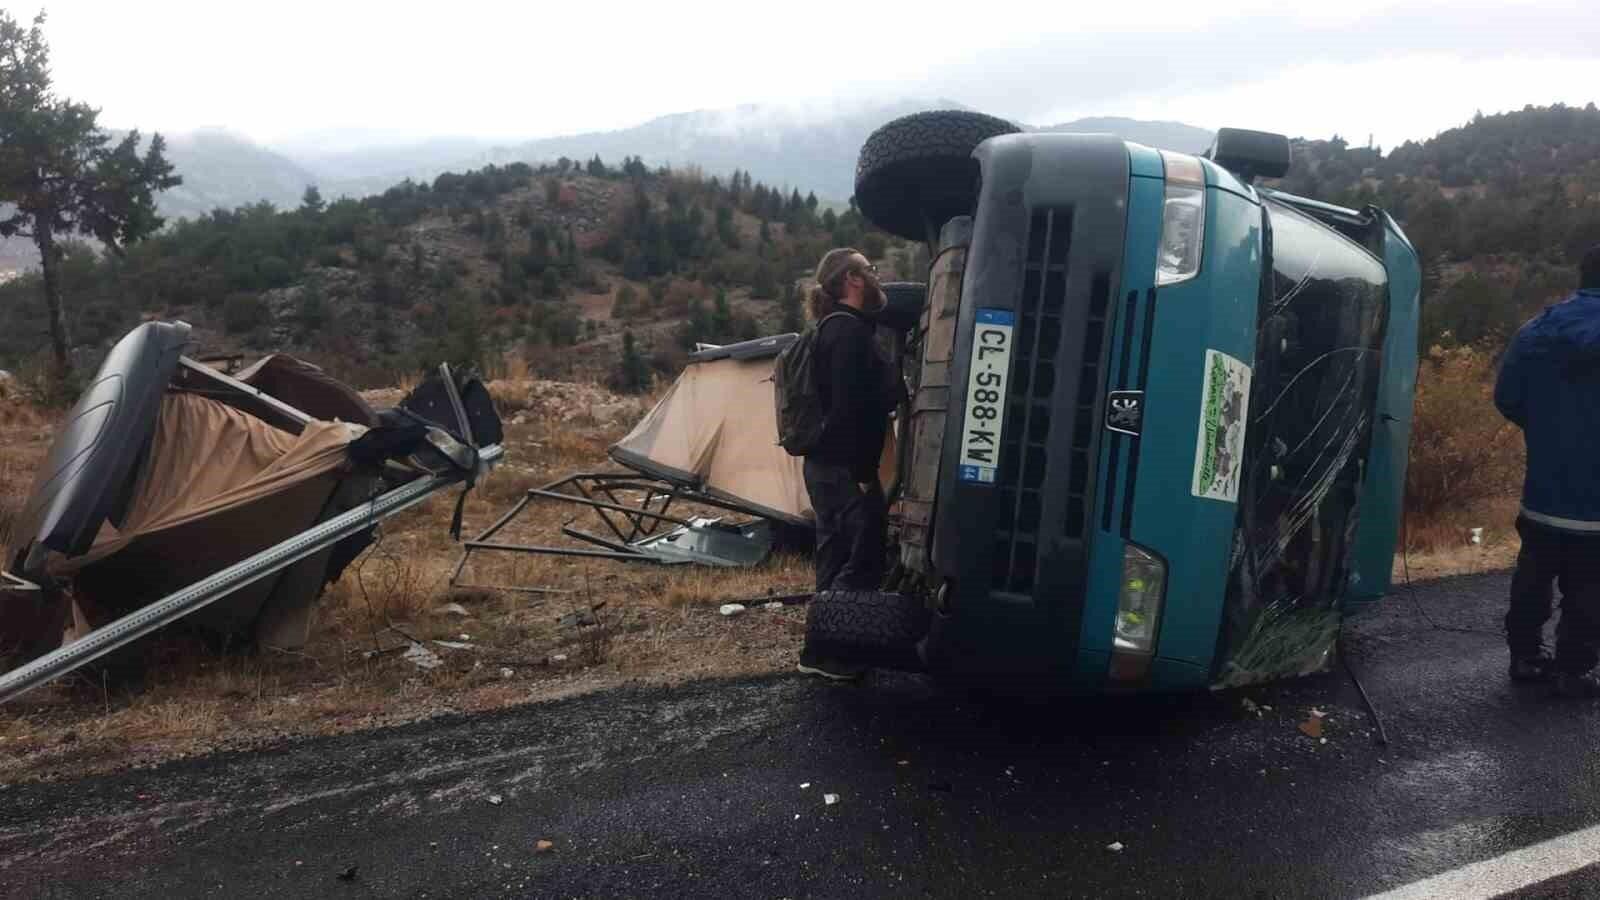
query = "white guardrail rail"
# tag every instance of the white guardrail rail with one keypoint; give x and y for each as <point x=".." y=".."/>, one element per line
<point x="196" y="596"/>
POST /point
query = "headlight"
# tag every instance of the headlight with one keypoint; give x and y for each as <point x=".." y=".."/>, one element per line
<point x="1183" y="220"/>
<point x="1144" y="586"/>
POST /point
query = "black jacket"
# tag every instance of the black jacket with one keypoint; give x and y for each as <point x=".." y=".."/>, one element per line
<point x="860" y="388"/>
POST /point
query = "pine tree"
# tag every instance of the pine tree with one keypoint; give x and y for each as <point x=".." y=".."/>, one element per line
<point x="793" y="317"/>
<point x="764" y="284"/>
<point x="721" y="317"/>
<point x="311" y="201"/>
<point x="59" y="175"/>
<point x="633" y="372"/>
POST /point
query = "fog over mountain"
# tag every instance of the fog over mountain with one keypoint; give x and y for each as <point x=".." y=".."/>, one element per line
<point x="806" y="147"/>
<point x="809" y="148"/>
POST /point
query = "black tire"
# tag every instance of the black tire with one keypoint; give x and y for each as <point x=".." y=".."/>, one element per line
<point x="917" y="172"/>
<point x="869" y="627"/>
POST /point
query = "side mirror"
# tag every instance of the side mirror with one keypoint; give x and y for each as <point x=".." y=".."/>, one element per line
<point x="1250" y="154"/>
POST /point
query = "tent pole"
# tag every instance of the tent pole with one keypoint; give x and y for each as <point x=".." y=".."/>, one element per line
<point x="196" y="596"/>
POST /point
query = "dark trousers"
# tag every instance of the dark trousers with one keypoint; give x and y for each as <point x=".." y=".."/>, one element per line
<point x="1572" y="560"/>
<point x="851" y="528"/>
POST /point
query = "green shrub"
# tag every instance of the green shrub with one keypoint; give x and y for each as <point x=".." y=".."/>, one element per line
<point x="242" y="313"/>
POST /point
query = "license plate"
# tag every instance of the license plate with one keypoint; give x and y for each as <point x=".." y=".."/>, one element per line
<point x="986" y="395"/>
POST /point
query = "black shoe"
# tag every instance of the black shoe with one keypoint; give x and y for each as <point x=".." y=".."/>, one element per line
<point x="832" y="669"/>
<point x="1539" y="667"/>
<point x="1583" y="687"/>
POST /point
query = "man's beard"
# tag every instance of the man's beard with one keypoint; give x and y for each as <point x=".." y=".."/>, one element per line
<point x="876" y="299"/>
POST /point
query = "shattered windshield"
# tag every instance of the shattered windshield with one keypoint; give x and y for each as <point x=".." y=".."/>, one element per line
<point x="1317" y="356"/>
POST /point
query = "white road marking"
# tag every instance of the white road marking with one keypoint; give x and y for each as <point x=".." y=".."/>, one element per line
<point x="1507" y="872"/>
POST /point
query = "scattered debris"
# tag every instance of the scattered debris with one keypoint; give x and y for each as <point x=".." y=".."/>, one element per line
<point x="466" y="637"/>
<point x="1312" y="726"/>
<point x="904" y="762"/>
<point x="559" y="657"/>
<point x="805" y="785"/>
<point x="1250" y="706"/>
<point x="496" y="799"/>
<point x="348" y="873"/>
<point x="830" y="799"/>
<point x="455" y="645"/>
<point x="773" y="606"/>
<point x="1477" y="536"/>
<point x="507" y="673"/>
<point x="422" y="657"/>
<point x="731" y="609"/>
<point x="544" y="846"/>
<point x="1114" y="846"/>
<point x="577" y="618"/>
<point x="452" y="609"/>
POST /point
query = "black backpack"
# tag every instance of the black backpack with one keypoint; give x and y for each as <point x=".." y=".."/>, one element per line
<point x="801" y="409"/>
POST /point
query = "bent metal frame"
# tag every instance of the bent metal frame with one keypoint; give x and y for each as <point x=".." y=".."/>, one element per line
<point x="184" y="601"/>
<point x="632" y="506"/>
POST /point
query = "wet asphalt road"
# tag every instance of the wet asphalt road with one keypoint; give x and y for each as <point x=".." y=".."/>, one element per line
<point x="698" y="791"/>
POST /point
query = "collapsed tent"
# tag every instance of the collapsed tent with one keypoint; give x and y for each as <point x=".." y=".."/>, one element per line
<point x="711" y="440"/>
<point x="167" y="473"/>
<point x="716" y="430"/>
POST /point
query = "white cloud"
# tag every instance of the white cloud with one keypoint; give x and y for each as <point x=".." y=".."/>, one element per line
<point x="1393" y="100"/>
<point x="290" y="67"/>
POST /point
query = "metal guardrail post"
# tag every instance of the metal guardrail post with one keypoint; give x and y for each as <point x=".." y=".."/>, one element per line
<point x="196" y="596"/>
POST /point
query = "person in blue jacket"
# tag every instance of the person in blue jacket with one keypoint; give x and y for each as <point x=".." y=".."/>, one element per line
<point x="1549" y="386"/>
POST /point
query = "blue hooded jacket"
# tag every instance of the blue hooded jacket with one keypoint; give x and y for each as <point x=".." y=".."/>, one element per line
<point x="1549" y="385"/>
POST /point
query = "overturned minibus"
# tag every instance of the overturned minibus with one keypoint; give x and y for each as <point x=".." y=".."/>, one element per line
<point x="1159" y="418"/>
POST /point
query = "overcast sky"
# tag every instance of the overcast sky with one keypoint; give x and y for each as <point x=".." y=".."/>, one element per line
<point x="278" y="70"/>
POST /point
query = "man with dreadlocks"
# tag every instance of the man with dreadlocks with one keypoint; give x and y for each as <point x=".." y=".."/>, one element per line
<point x="857" y="386"/>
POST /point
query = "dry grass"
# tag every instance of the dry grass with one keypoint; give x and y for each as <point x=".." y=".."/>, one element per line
<point x="12" y="490"/>
<point x="1463" y="454"/>
<point x="655" y="624"/>
<point x="179" y="695"/>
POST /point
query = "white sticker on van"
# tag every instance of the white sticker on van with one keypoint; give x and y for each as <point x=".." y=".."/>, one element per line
<point x="1224" y="410"/>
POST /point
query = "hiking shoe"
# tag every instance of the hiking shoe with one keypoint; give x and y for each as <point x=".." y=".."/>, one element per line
<point x="1584" y="687"/>
<point x="831" y="669"/>
<point x="1539" y="667"/>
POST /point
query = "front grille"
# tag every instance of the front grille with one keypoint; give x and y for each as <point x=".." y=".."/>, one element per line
<point x="1025" y="450"/>
<point x="1096" y="329"/>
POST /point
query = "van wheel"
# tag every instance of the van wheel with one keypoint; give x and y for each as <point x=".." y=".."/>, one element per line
<point x="917" y="172"/>
<point x="869" y="627"/>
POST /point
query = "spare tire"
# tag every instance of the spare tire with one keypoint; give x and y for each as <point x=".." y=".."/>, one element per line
<point x="917" y="172"/>
<point x="868" y="627"/>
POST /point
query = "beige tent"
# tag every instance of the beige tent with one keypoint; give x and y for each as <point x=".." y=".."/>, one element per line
<point x="716" y="431"/>
<point x="219" y="484"/>
<point x="167" y="472"/>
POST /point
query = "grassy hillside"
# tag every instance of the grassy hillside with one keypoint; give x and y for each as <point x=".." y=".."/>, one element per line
<point x="549" y="265"/>
<point x="1500" y="209"/>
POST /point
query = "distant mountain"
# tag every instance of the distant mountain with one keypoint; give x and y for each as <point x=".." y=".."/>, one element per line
<point x="219" y="170"/>
<point x="813" y="149"/>
<point x="224" y="170"/>
<point x="344" y="157"/>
